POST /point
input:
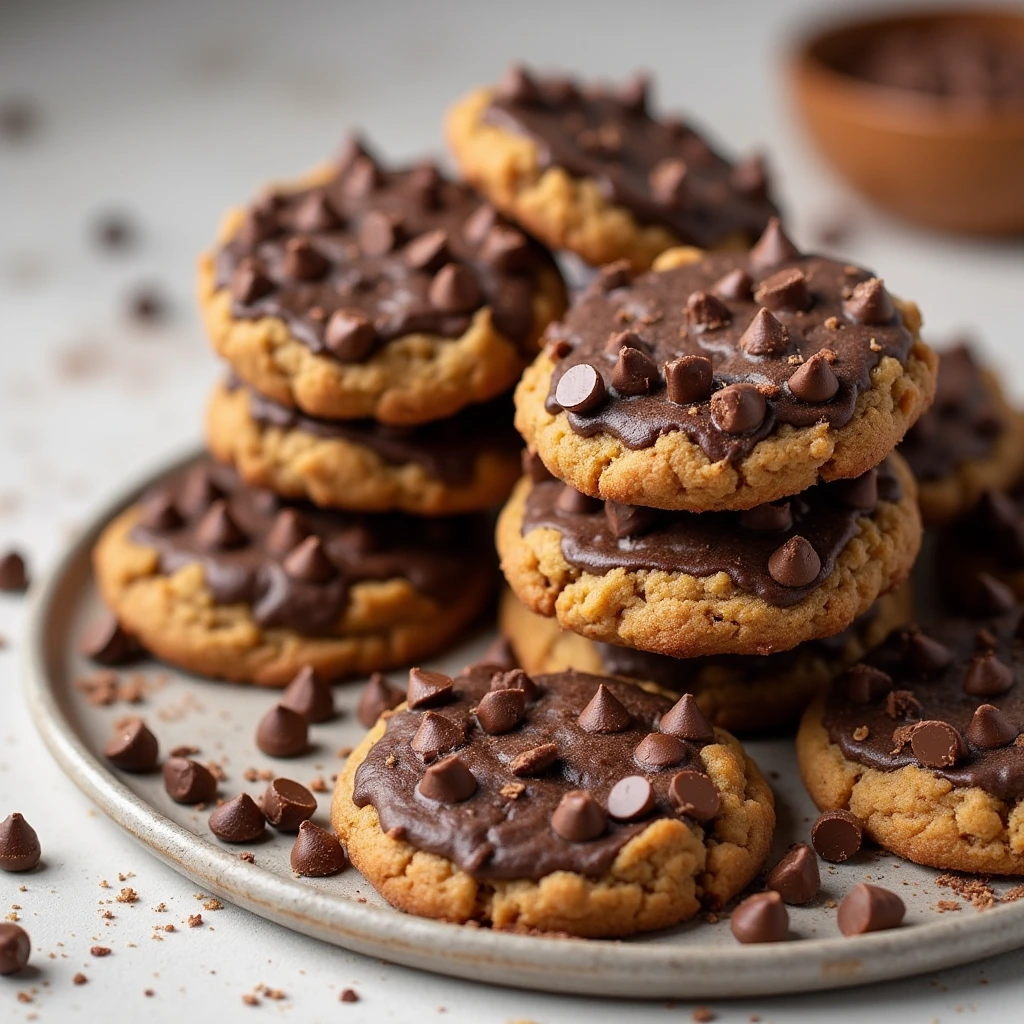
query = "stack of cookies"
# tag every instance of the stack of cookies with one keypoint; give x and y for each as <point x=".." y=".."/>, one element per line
<point x="374" y="322"/>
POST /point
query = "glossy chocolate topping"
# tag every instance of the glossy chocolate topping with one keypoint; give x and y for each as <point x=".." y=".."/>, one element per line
<point x="962" y="424"/>
<point x="661" y="170"/>
<point x="947" y="698"/>
<point x="754" y="320"/>
<point x="397" y="252"/>
<point x="446" y="449"/>
<point x="508" y="827"/>
<point x="293" y="563"/>
<point x="702" y="544"/>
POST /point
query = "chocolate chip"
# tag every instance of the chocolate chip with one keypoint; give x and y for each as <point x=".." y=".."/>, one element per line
<point x="990" y="596"/>
<point x="686" y="720"/>
<point x="316" y="213"/>
<point x="249" y="282"/>
<point x="362" y="178"/>
<point x="635" y="372"/>
<point x="860" y="493"/>
<point x="668" y="182"/>
<point x="581" y="389"/>
<point x="631" y="799"/>
<point x="13" y="574"/>
<point x="317" y="852"/>
<point x="238" y="820"/>
<point x="773" y="247"/>
<point x="349" y="335"/>
<point x="379" y="233"/>
<point x="15" y="948"/>
<point x="795" y="563"/>
<point x="785" y="291"/>
<point x="282" y="733"/>
<point x="448" y="781"/>
<point x="613" y="275"/>
<point x="287" y="532"/>
<point x="158" y="513"/>
<point x="147" y="305"/>
<point x="870" y="303"/>
<point x="796" y="877"/>
<point x="990" y="728"/>
<point x="515" y="679"/>
<point x="303" y="261"/>
<point x="428" y="689"/>
<point x="501" y="657"/>
<point x="937" y="744"/>
<point x="506" y="249"/>
<point x="633" y="96"/>
<point x="309" y="563"/>
<point x="866" y="684"/>
<point x="534" y="468"/>
<point x="738" y="408"/>
<point x="659" y="750"/>
<point x="133" y="747"/>
<point x="869" y="908"/>
<point x="576" y="502"/>
<point x="923" y="654"/>
<point x="618" y="340"/>
<point x="257" y="226"/>
<point x="764" y="336"/>
<point x="188" y="782"/>
<point x="694" y="795"/>
<point x="104" y="640"/>
<point x="19" y="844"/>
<point x="217" y="530"/>
<point x="689" y="379"/>
<point x="436" y="735"/>
<point x="518" y="86"/>
<point x="771" y="517"/>
<point x="750" y="177"/>
<point x="902" y="704"/>
<point x="706" y="312"/>
<point x="199" y="492"/>
<point x="454" y="289"/>
<point x="604" y="713"/>
<point x="579" y="818"/>
<point x="309" y="696"/>
<point x="987" y="676"/>
<point x="425" y="183"/>
<point x="429" y="251"/>
<point x="378" y="697"/>
<point x="629" y="520"/>
<point x="760" y="918"/>
<point x="737" y="284"/>
<point x="836" y="835"/>
<point x="287" y="804"/>
<point x="500" y="711"/>
<point x="535" y="760"/>
<point x="814" y="380"/>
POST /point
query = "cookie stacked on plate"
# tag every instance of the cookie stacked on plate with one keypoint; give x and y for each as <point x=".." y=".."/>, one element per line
<point x="711" y="467"/>
<point x="374" y="321"/>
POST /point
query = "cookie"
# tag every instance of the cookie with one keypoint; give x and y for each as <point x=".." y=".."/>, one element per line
<point x="970" y="440"/>
<point x="689" y="585"/>
<point x="722" y="381"/>
<point x="366" y="292"/>
<point x="466" y="463"/>
<point x="920" y="742"/>
<point x="590" y="170"/>
<point x="744" y="694"/>
<point x="553" y="805"/>
<point x="231" y="582"/>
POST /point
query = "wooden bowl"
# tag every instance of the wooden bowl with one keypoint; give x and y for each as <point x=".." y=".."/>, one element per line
<point x="922" y="157"/>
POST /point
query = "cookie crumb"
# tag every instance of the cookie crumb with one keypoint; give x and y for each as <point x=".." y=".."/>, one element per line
<point x="702" y="1014"/>
<point x="127" y="895"/>
<point x="861" y="733"/>
<point x="512" y="790"/>
<point x="976" y="891"/>
<point x="195" y="920"/>
<point x="212" y="904"/>
<point x="100" y="951"/>
<point x="946" y="905"/>
<point x="247" y="856"/>
<point x="250" y="1000"/>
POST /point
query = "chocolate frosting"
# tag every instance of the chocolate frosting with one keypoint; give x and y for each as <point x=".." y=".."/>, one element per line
<point x="432" y="554"/>
<point x="705" y="543"/>
<point x="594" y="132"/>
<point x="366" y="239"/>
<point x="446" y="449"/>
<point x="938" y="696"/>
<point x="654" y="308"/>
<point x="961" y="426"/>
<point x="495" y="834"/>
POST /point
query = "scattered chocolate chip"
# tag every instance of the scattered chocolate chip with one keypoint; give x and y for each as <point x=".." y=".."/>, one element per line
<point x="435" y="736"/>
<point x="738" y="408"/>
<point x="659" y="750"/>
<point x="133" y="747"/>
<point x="13" y="574"/>
<point x="257" y="226"/>
<point x="795" y="563"/>
<point x="316" y="213"/>
<point x="668" y="182"/>
<point x="238" y="820"/>
<point x="506" y="249"/>
<point x="814" y="381"/>
<point x="362" y="178"/>
<point x="760" y="918"/>
<point x="629" y="520"/>
<point x="19" y="844"/>
<point x="199" y="493"/>
<point x="249" y="282"/>
<point x="378" y="697"/>
<point x="785" y="291"/>
<point x="104" y="640"/>
<point x="869" y="908"/>
<point x="114" y="230"/>
<point x="987" y="676"/>
<point x="500" y="711"/>
<point x="282" y="733"/>
<point x="534" y="468"/>
<point x="836" y="835"/>
<point x="870" y="303"/>
<point x="866" y="684"/>
<point x="349" y="335"/>
<point x="517" y="86"/>
<point x="303" y="261"/>
<point x="310" y="696"/>
<point x="15" y="948"/>
<point x="635" y="372"/>
<point x="604" y="713"/>
<point x="581" y="389"/>
<point x="737" y="285"/>
<point x="990" y="596"/>
<point x="990" y="728"/>
<point x="771" y="517"/>
<point x="287" y="804"/>
<point x="750" y="177"/>
<point x="429" y="251"/>
<point x="147" y="305"/>
<point x="937" y="744"/>
<point x="379" y="233"/>
<point x="159" y="514"/>
<point x="631" y="799"/>
<point x="576" y="502"/>
<point x="860" y="493"/>
<point x="773" y="247"/>
<point x="428" y="689"/>
<point x="796" y="877"/>
<point x="579" y="818"/>
<point x="448" y="781"/>
<point x="455" y="289"/>
<point x="923" y="654"/>
<point x="287" y="532"/>
<point x="686" y="720"/>
<point x="349" y="995"/>
<point x="317" y="853"/>
<point x="217" y="530"/>
<point x="309" y="563"/>
<point x="706" y="312"/>
<point x="902" y="704"/>
<point x="535" y="760"/>
<point x="764" y="336"/>
<point x="515" y="679"/>
<point x="188" y="782"/>
<point x="694" y="794"/>
<point x="689" y="379"/>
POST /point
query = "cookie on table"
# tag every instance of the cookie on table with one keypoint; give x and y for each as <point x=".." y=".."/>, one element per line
<point x="591" y="170"/>
<point x="502" y="799"/>
<point x="466" y="463"/>
<point x="920" y="742"/>
<point x="725" y="380"/>
<point x="744" y="694"/>
<point x="231" y="582"/>
<point x="688" y="585"/>
<point x="368" y="292"/>
<point x="970" y="440"/>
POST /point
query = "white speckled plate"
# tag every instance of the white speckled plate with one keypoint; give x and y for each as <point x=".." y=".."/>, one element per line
<point x="694" y="960"/>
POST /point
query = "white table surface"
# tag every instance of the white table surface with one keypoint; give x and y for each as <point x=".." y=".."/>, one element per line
<point x="172" y="111"/>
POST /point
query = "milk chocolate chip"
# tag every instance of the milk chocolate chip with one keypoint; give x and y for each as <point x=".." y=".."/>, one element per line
<point x="15" y="948"/>
<point x="105" y="641"/>
<point x="435" y="736"/>
<point x="765" y="336"/>
<point x="287" y="804"/>
<point x="217" y="530"/>
<point x="706" y="312"/>
<point x="188" y="782"/>
<point x="785" y="291"/>
<point x="238" y="820"/>
<point x="923" y="654"/>
<point x="795" y="563"/>
<point x="309" y="696"/>
<point x="686" y="720"/>
<point x="514" y="679"/>
<point x="869" y="908"/>
<point x="282" y="732"/>
<point x="249" y="282"/>
<point x="631" y="799"/>
<point x="866" y="684"/>
<point x="628" y="520"/>
<point x="689" y="379"/>
<point x="814" y="381"/>
<point x="133" y="747"/>
<point x="987" y="676"/>
<point x="796" y="877"/>
<point x="500" y="711"/>
<point x="605" y="713"/>
<point x="303" y="261"/>
<point x="448" y="781"/>
<point x="937" y="744"/>
<point x="760" y="918"/>
<point x="19" y="844"/>
<point x="317" y="852"/>
<point x="694" y="794"/>
<point x="659" y="750"/>
<point x="836" y="835"/>
<point x="635" y="372"/>
<point x="349" y="335"/>
<point x="990" y="728"/>
<point x="581" y="389"/>
<point x="578" y="818"/>
<point x="772" y="517"/>
<point x="455" y="289"/>
<point x="378" y="697"/>
<point x="738" y="408"/>
<point x="773" y="247"/>
<point x="576" y="502"/>
<point x="737" y="285"/>
<point x="870" y="303"/>
<point x="309" y="562"/>
<point x="428" y="689"/>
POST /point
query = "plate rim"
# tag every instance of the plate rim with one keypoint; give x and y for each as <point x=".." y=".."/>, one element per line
<point x="596" y="967"/>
